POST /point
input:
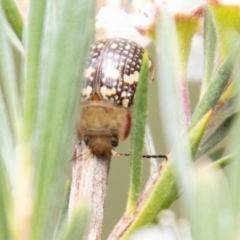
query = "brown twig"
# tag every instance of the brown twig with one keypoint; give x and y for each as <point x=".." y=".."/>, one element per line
<point x="125" y="222"/>
<point x="89" y="183"/>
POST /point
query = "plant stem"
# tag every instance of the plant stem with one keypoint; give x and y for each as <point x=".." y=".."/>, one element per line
<point x="89" y="183"/>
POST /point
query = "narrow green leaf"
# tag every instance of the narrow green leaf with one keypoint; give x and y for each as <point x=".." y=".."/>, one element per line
<point x="13" y="16"/>
<point x="31" y="65"/>
<point x="222" y="162"/>
<point x="60" y="86"/>
<point x="215" y="155"/>
<point x="162" y="196"/>
<point x="210" y="38"/>
<point x="169" y="95"/>
<point x="235" y="166"/>
<point x="216" y="136"/>
<point x="216" y="87"/>
<point x="74" y="227"/>
<point x="137" y="135"/>
<point x="6" y="141"/>
<point x="9" y="102"/>
<point x="8" y="80"/>
<point x="5" y="204"/>
<point x="197" y="132"/>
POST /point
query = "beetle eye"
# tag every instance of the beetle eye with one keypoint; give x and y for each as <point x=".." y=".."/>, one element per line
<point x="114" y="141"/>
<point x="86" y="140"/>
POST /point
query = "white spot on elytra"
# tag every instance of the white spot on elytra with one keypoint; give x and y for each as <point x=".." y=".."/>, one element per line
<point x="88" y="72"/>
<point x="127" y="47"/>
<point x="114" y="46"/>
<point x="123" y="94"/>
<point x="86" y="92"/>
<point x="111" y="73"/>
<point x="125" y="102"/>
<point x="116" y="56"/>
<point x="128" y="79"/>
<point x="136" y="76"/>
<point x="100" y="45"/>
<point x="107" y="91"/>
<point x="131" y="78"/>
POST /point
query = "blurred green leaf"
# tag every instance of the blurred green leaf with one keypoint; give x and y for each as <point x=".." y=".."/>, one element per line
<point x="216" y="87"/>
<point x="196" y="133"/>
<point x="137" y="135"/>
<point x="8" y="103"/>
<point x="222" y="162"/>
<point x="8" y="81"/>
<point x="161" y="197"/>
<point x="210" y="44"/>
<point x="217" y="135"/>
<point x="169" y="95"/>
<point x="13" y="16"/>
<point x="235" y="166"/>
<point x="5" y="204"/>
<point x="33" y="44"/>
<point x="60" y="82"/>
<point x="212" y="211"/>
<point x="215" y="155"/>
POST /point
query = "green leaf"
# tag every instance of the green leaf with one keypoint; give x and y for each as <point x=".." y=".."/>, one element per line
<point x="197" y="132"/>
<point x="31" y="64"/>
<point x="137" y="135"/>
<point x="13" y="16"/>
<point x="215" y="155"/>
<point x="60" y="87"/>
<point x="222" y="162"/>
<point x="5" y="203"/>
<point x="216" y="87"/>
<point x="9" y="103"/>
<point x="8" y="80"/>
<point x="216" y="136"/>
<point x="169" y="95"/>
<point x="235" y="166"/>
<point x="161" y="197"/>
<point x="226" y="18"/>
<point x="210" y="44"/>
<point x="212" y="201"/>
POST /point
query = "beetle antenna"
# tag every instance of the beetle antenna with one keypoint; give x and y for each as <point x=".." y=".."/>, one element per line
<point x="114" y="153"/>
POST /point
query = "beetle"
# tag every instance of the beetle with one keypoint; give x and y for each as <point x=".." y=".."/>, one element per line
<point x="110" y="81"/>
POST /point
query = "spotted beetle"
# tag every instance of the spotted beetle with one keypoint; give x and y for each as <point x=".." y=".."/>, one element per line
<point x="110" y="81"/>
